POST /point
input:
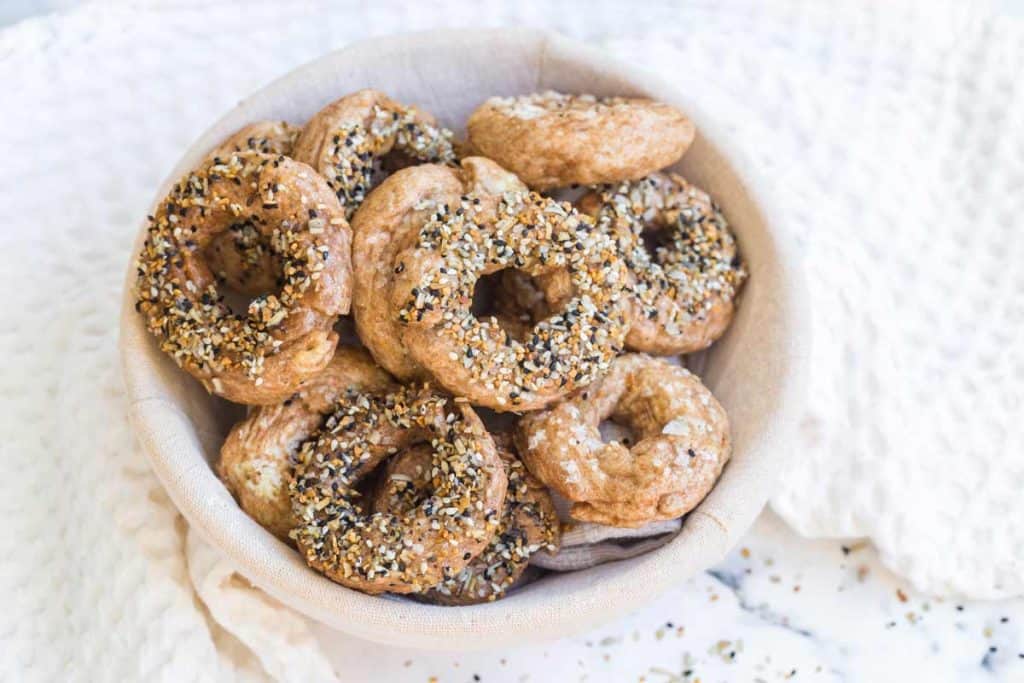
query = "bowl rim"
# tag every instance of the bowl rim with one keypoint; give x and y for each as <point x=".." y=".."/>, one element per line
<point x="163" y="428"/>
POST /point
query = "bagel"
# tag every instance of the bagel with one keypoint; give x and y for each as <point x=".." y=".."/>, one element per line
<point x="551" y="139"/>
<point x="256" y="458"/>
<point x="684" y="293"/>
<point x="476" y="359"/>
<point x="681" y="444"/>
<point x="285" y="337"/>
<point x="389" y="220"/>
<point x="348" y="140"/>
<point x="400" y="553"/>
<point x="528" y="523"/>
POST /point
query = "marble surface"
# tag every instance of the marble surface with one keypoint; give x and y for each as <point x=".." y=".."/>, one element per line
<point x="778" y="608"/>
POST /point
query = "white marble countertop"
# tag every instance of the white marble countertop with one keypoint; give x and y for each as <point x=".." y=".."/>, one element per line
<point x="778" y="608"/>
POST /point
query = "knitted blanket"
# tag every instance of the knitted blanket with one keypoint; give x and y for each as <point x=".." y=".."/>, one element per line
<point x="895" y="140"/>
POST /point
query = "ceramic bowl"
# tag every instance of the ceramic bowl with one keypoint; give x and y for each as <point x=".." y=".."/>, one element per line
<point x="755" y="370"/>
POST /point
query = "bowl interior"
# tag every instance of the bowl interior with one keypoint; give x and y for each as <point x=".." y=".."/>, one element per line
<point x="755" y="369"/>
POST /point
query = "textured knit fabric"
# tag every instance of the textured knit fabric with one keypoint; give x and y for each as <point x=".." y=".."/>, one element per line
<point x="895" y="138"/>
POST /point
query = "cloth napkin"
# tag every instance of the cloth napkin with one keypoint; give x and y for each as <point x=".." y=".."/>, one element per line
<point x="894" y="138"/>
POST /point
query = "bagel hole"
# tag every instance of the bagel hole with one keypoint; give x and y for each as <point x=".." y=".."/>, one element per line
<point x="612" y="431"/>
<point x="485" y="293"/>
<point x="494" y="421"/>
<point x="239" y="282"/>
<point x="654" y="238"/>
<point x="346" y="329"/>
<point x="237" y="301"/>
<point x="377" y="482"/>
<point x="368" y="486"/>
<point x="502" y="296"/>
<point x="390" y="163"/>
<point x="571" y="194"/>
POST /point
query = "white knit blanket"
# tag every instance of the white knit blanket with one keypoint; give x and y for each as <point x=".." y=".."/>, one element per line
<point x="894" y="138"/>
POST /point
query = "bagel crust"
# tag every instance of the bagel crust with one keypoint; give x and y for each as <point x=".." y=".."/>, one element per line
<point x="256" y="458"/>
<point x="551" y="139"/>
<point x="284" y="338"/>
<point x="269" y="137"/>
<point x="528" y="523"/>
<point x="685" y="293"/>
<point x="400" y="553"/>
<point x="387" y="223"/>
<point x="239" y="257"/>
<point x="475" y="358"/>
<point x="347" y="142"/>
<point x="681" y="444"/>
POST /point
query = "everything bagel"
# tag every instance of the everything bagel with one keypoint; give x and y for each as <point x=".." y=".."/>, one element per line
<point x="419" y="548"/>
<point x="256" y="458"/>
<point x="476" y="359"/>
<point x="284" y="338"/>
<point x="528" y="523"/>
<point x="389" y="221"/>
<point x="684" y="293"/>
<point x="348" y="142"/>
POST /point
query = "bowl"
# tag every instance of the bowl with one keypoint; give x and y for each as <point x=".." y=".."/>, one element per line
<point x="756" y="370"/>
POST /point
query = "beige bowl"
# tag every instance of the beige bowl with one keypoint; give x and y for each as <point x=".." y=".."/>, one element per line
<point x="756" y="370"/>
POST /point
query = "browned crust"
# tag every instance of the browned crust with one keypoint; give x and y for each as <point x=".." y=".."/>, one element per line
<point x="255" y="460"/>
<point x="682" y="444"/>
<point x="260" y="358"/>
<point x="528" y="523"/>
<point x="269" y="137"/>
<point x="551" y="140"/>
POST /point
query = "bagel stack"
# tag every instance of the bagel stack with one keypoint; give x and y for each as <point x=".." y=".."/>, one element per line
<point x="425" y="454"/>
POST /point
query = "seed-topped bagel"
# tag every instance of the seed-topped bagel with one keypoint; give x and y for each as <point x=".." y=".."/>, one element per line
<point x="347" y="142"/>
<point x="419" y="548"/>
<point x="389" y="221"/>
<point x="477" y="359"/>
<point x="528" y="523"/>
<point x="283" y="338"/>
<point x="256" y="458"/>
<point x="684" y="292"/>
